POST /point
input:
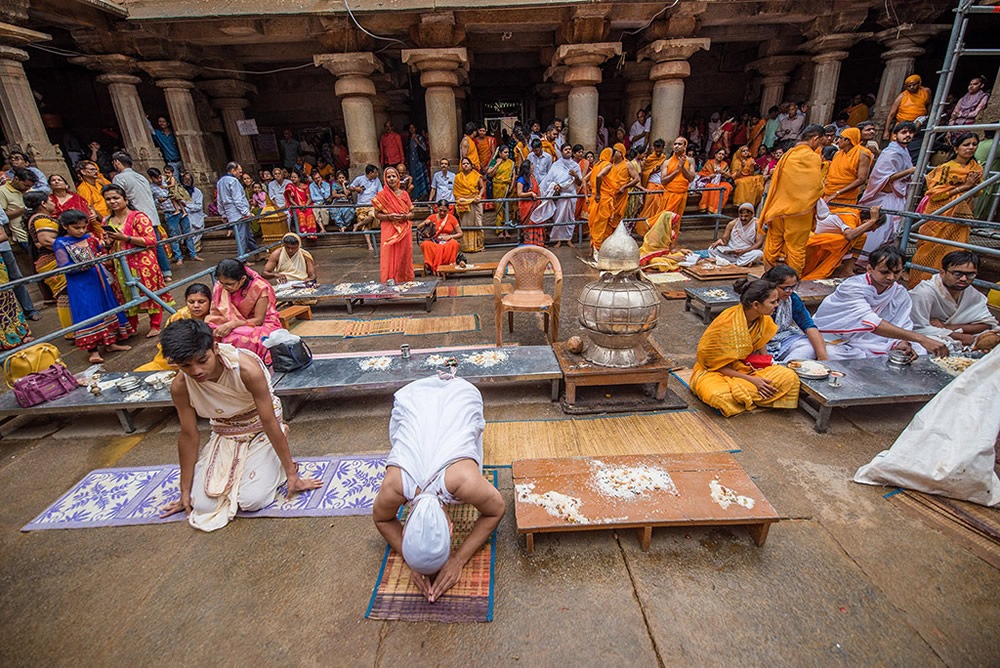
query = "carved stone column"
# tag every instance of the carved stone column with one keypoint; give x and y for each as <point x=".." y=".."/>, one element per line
<point x="228" y="96"/>
<point x="22" y="123"/>
<point x="439" y="76"/>
<point x="176" y="80"/>
<point x="902" y="49"/>
<point x="775" y="72"/>
<point x="582" y="76"/>
<point x="830" y="50"/>
<point x="671" y="68"/>
<point x="356" y="90"/>
<point x="125" y="99"/>
<point x="638" y="90"/>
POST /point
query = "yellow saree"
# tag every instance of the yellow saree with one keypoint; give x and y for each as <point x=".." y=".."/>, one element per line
<point x="726" y="343"/>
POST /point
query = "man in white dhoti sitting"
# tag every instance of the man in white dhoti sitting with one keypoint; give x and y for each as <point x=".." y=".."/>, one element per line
<point x="869" y="315"/>
<point x="741" y="244"/>
<point x="887" y="185"/>
<point x="246" y="458"/>
<point x="947" y="307"/>
<point x="436" y="433"/>
<point x="563" y="178"/>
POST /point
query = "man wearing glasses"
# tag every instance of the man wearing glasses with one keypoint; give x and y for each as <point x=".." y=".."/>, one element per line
<point x="947" y="307"/>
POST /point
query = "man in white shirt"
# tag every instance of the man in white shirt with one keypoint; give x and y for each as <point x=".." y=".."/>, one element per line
<point x="231" y="198"/>
<point x="443" y="184"/>
<point x="638" y="134"/>
<point x="366" y="187"/>
<point x="276" y="187"/>
<point x="139" y="192"/>
<point x="790" y="127"/>
<point x="560" y="138"/>
<point x="540" y="161"/>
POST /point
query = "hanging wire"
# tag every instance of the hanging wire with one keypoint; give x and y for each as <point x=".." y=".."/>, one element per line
<point x="387" y="39"/>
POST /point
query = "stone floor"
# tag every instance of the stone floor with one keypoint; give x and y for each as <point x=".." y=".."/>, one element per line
<point x="847" y="579"/>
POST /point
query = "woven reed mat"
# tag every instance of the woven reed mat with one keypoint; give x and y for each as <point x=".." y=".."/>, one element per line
<point x="651" y="434"/>
<point x="974" y="527"/>
<point x="471" y="290"/>
<point x="441" y="324"/>
<point x="470" y="600"/>
<point x="684" y="375"/>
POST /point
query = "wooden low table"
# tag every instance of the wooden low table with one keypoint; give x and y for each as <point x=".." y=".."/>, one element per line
<point x="703" y="490"/>
<point x="446" y="270"/>
<point x="297" y="311"/>
<point x="578" y="372"/>
<point x="709" y="271"/>
<point x="870" y="381"/>
<point x="709" y="305"/>
<point x="813" y="292"/>
<point x="356" y="293"/>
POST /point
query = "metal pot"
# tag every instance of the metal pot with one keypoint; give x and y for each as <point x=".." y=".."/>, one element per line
<point x="618" y="310"/>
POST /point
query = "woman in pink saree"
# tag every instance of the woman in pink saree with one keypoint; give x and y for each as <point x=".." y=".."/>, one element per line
<point x="394" y="210"/>
<point x="244" y="308"/>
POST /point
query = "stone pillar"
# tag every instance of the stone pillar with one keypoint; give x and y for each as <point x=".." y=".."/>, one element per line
<point x="175" y="78"/>
<point x="775" y="72"/>
<point x="22" y="123"/>
<point x="561" y="93"/>
<point x="638" y="90"/>
<point x="460" y="97"/>
<point x="668" y="74"/>
<point x="131" y="116"/>
<point x="830" y="50"/>
<point x="439" y="76"/>
<point x="902" y="49"/>
<point x="356" y="91"/>
<point x="582" y="76"/>
<point x="228" y="97"/>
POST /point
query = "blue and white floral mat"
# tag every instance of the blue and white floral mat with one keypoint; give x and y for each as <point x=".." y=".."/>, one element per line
<point x="123" y="496"/>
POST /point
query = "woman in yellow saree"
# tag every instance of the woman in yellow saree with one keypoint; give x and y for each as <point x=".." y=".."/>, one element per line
<point x="198" y="300"/>
<point x="747" y="177"/>
<point x="469" y="191"/>
<point x="502" y="173"/>
<point x="945" y="183"/>
<point x="657" y="252"/>
<point x="722" y="377"/>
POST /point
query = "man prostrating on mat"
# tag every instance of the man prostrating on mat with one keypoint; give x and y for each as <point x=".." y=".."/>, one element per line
<point x="246" y="458"/>
<point x="436" y="433"/>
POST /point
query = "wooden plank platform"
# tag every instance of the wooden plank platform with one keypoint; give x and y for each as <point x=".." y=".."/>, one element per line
<point x="708" y="271"/>
<point x="699" y="490"/>
<point x="578" y="372"/>
<point x="446" y="270"/>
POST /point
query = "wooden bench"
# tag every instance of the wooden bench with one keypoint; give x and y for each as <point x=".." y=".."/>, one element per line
<point x="297" y="311"/>
<point x="446" y="270"/>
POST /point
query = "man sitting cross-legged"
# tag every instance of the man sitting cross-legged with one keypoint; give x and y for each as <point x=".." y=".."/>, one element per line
<point x="741" y="243"/>
<point x="246" y="458"/>
<point x="436" y="433"/>
<point x="869" y="314"/>
<point x="947" y="307"/>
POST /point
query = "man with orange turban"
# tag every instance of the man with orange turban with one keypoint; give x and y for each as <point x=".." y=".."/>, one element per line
<point x="848" y="169"/>
<point x="911" y="104"/>
<point x="788" y="213"/>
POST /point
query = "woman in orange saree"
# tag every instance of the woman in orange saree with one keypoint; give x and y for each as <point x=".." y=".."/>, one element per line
<point x="945" y="183"/>
<point x="715" y="171"/>
<point x="442" y="245"/>
<point x="394" y="210"/>
<point x="722" y="376"/>
<point x="749" y="181"/>
<point x="297" y="194"/>
<point x="244" y="308"/>
<point x="527" y="194"/>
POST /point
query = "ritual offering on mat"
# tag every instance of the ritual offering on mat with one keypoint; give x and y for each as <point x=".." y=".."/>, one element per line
<point x="987" y="341"/>
<point x="716" y="292"/>
<point x="954" y="365"/>
<point x="809" y="368"/>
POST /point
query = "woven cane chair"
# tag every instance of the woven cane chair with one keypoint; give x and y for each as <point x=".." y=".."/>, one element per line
<point x="529" y="263"/>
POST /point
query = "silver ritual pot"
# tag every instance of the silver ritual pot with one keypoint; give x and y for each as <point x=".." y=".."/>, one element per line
<point x="618" y="310"/>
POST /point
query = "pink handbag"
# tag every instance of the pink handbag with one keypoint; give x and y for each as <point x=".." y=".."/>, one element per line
<point x="45" y="385"/>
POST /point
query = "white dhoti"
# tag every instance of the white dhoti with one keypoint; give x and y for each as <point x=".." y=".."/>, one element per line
<point x="741" y="240"/>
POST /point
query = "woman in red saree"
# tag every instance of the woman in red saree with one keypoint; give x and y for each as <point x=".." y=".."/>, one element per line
<point x="394" y="210"/>
<point x="442" y="246"/>
<point x="297" y="194"/>
<point x="133" y="229"/>
<point x="527" y="194"/>
<point x="244" y="308"/>
<point x="65" y="199"/>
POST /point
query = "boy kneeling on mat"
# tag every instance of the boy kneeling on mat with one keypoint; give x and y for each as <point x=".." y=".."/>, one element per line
<point x="436" y="433"/>
<point x="246" y="458"/>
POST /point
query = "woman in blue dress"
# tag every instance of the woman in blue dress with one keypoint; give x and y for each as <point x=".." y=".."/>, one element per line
<point x="417" y="156"/>
<point x="791" y="316"/>
<point x="342" y="213"/>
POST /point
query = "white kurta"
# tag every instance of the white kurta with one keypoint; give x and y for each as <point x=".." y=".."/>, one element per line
<point x="931" y="300"/>
<point x="434" y="423"/>
<point x="563" y="211"/>
<point x="850" y="316"/>
<point x="738" y="250"/>
<point x="540" y="165"/>
<point x="893" y="159"/>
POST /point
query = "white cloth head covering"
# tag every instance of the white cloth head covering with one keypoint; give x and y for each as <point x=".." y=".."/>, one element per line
<point x="426" y="536"/>
<point x="748" y="205"/>
<point x="435" y="422"/>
